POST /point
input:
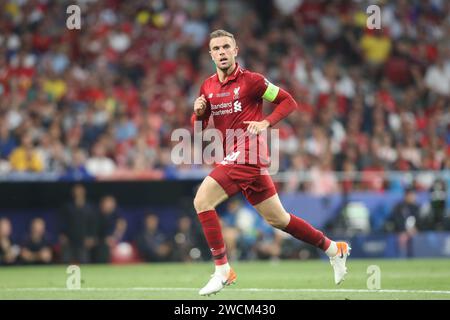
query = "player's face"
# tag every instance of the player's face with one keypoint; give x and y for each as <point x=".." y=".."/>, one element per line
<point x="223" y="52"/>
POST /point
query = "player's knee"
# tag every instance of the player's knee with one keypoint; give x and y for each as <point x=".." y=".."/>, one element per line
<point x="197" y="203"/>
<point x="278" y="221"/>
<point x="201" y="204"/>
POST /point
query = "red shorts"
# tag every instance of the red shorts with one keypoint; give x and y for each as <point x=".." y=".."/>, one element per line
<point x="255" y="186"/>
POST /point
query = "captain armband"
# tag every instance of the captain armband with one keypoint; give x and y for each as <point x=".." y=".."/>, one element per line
<point x="271" y="92"/>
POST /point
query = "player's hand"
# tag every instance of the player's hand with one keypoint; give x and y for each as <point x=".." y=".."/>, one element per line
<point x="200" y="105"/>
<point x="256" y="127"/>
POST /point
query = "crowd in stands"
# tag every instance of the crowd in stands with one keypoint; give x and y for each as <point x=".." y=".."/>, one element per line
<point x="102" y="102"/>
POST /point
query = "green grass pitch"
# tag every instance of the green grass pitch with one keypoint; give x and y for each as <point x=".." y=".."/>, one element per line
<point x="400" y="279"/>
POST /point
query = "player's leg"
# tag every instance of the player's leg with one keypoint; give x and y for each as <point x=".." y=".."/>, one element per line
<point x="274" y="213"/>
<point x="209" y="195"/>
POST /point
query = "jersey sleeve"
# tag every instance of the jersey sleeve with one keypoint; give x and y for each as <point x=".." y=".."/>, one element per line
<point x="266" y="90"/>
<point x="263" y="88"/>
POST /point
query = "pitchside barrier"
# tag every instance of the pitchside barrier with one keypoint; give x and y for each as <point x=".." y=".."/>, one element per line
<point x="366" y="212"/>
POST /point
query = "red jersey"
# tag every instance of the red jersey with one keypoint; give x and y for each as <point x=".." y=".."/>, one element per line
<point x="240" y="98"/>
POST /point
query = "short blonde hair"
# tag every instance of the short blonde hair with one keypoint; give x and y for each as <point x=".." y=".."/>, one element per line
<point x="221" y="33"/>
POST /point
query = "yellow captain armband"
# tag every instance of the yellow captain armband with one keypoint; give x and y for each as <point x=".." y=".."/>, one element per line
<point x="271" y="92"/>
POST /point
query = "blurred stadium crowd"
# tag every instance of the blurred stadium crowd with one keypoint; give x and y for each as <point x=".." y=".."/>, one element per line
<point x="102" y="102"/>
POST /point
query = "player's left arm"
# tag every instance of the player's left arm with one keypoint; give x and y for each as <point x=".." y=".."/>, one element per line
<point x="285" y="104"/>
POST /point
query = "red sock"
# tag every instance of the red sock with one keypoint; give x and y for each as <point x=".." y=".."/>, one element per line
<point x="302" y="230"/>
<point x="213" y="234"/>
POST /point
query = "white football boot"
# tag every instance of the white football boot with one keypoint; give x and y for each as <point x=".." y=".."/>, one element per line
<point x="338" y="262"/>
<point x="217" y="283"/>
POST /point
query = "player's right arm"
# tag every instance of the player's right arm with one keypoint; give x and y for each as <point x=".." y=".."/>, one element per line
<point x="200" y="106"/>
<point x="202" y="110"/>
